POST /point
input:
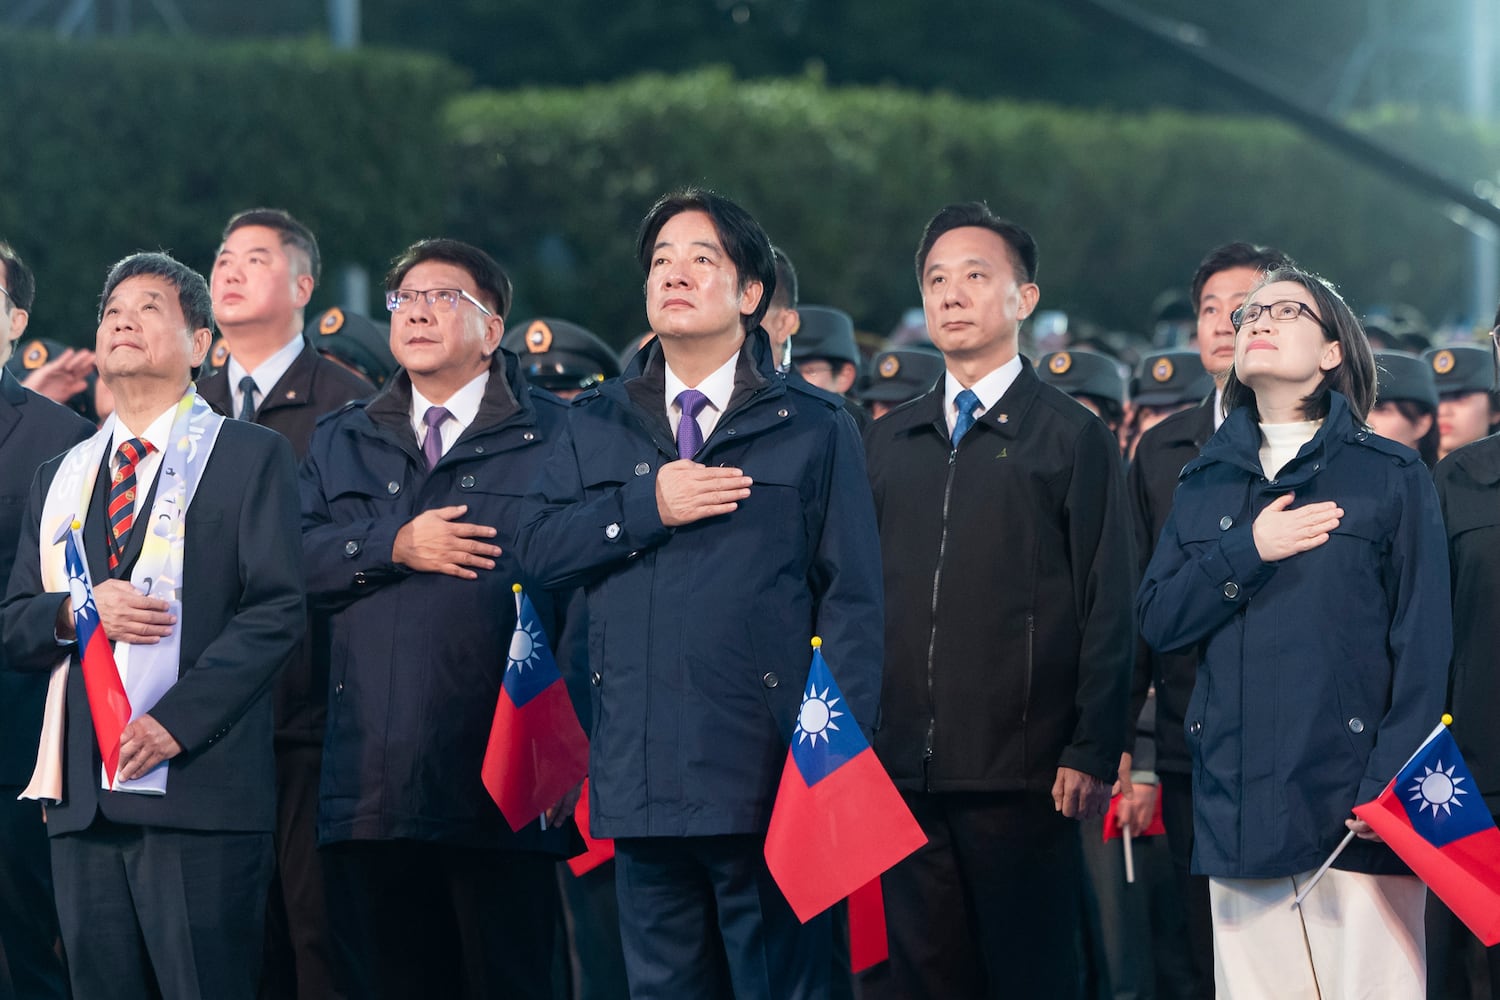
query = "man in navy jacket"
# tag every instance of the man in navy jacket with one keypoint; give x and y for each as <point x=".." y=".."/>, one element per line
<point x="718" y="516"/>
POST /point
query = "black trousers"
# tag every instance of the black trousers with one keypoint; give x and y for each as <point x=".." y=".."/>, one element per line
<point x="28" y="917"/>
<point x="990" y="906"/>
<point x="701" y="917"/>
<point x="1177" y="817"/>
<point x="435" y="920"/>
<point x="149" y="912"/>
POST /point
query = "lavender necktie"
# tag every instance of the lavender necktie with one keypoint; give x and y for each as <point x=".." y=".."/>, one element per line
<point x="689" y="434"/>
<point x="432" y="446"/>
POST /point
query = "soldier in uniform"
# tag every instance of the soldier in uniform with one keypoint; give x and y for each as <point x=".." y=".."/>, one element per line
<point x="1165" y="383"/>
<point x="899" y="374"/>
<point x="561" y="357"/>
<point x="1406" y="403"/>
<point x="1095" y="380"/>
<point x="825" y="355"/>
<point x="354" y="341"/>
<point x="1468" y="404"/>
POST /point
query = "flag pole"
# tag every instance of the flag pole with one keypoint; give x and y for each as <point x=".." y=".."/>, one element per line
<point x="1129" y="856"/>
<point x="1320" y="872"/>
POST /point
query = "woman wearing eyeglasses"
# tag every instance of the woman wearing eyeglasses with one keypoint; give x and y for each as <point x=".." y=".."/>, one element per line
<point x="1304" y="560"/>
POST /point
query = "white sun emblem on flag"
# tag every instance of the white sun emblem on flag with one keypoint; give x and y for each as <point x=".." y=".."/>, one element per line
<point x="82" y="606"/>
<point x="523" y="646"/>
<point x="1438" y="789"/>
<point x="817" y="716"/>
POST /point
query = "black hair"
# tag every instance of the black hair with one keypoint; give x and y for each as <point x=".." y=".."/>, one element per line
<point x="744" y="241"/>
<point x="1353" y="376"/>
<point x="20" y="284"/>
<point x="192" y="290"/>
<point x="293" y="233"/>
<point x="977" y="213"/>
<point x="786" y="280"/>
<point x="1232" y="255"/>
<point x="489" y="277"/>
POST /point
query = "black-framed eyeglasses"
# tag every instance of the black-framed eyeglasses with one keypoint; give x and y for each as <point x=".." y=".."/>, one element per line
<point x="439" y="299"/>
<point x="1283" y="311"/>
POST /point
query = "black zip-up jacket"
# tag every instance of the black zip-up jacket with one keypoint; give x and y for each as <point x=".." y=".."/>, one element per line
<point x="1009" y="566"/>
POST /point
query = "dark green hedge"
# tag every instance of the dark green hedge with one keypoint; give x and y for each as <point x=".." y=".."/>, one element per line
<point x="1123" y="206"/>
<point x="110" y="147"/>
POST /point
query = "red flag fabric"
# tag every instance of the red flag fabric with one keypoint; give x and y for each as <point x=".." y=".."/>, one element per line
<point x="1433" y="817"/>
<point x="109" y="706"/>
<point x="838" y="821"/>
<point x="537" y="751"/>
<point x="869" y="944"/>
<point x="1113" y="830"/>
<point x="597" y="851"/>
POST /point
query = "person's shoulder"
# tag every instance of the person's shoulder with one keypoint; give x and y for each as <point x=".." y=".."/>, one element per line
<point x="1395" y="451"/>
<point x="333" y="381"/>
<point x="1175" y="430"/>
<point x="1477" y="462"/>
<point x="800" y="389"/>
<point x="58" y="420"/>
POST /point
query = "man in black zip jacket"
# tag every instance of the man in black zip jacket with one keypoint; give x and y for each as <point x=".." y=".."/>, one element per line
<point x="1009" y="568"/>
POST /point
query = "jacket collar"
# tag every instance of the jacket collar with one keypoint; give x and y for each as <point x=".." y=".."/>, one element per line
<point x="1480" y="460"/>
<point x="1005" y="418"/>
<point x="1238" y="442"/>
<point x="12" y="395"/>
<point x="505" y="401"/>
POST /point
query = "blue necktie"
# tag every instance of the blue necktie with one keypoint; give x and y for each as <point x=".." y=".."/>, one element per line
<point x="967" y="403"/>
<point x="689" y="434"/>
<point x="248" y="389"/>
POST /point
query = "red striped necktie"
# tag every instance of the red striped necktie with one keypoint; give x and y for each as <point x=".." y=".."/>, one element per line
<point x="122" y="495"/>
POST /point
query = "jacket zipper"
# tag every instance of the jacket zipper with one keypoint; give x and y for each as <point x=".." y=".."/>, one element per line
<point x="937" y="575"/>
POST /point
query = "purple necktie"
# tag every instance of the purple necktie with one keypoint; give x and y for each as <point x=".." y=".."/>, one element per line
<point x="432" y="446"/>
<point x="689" y="434"/>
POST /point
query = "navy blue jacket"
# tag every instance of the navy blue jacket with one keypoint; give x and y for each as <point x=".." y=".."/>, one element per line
<point x="32" y="430"/>
<point x="1320" y="674"/>
<point x="698" y="635"/>
<point x="415" y="660"/>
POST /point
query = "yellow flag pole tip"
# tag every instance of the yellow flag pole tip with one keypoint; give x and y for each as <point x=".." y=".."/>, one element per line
<point x="515" y="588"/>
<point x="77" y="525"/>
<point x="1447" y="719"/>
<point x="817" y="641"/>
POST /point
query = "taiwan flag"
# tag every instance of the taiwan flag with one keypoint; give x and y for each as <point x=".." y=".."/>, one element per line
<point x="108" y="704"/>
<point x="1435" y="820"/>
<point x="537" y="752"/>
<point x="838" y="821"/>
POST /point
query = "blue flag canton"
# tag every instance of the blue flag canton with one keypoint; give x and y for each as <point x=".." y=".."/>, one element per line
<point x="85" y="613"/>
<point x="826" y="736"/>
<point x="530" y="668"/>
<point x="1437" y="791"/>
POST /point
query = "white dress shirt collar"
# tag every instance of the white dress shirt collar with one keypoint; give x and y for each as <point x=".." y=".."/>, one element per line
<point x="266" y="375"/>
<point x="989" y="389"/>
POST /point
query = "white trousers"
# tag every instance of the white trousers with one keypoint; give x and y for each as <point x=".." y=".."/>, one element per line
<point x="1355" y="936"/>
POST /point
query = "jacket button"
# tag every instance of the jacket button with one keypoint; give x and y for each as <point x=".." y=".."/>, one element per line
<point x="731" y="432"/>
<point x="466" y="483"/>
<point x="1231" y="590"/>
<point x="359" y="577"/>
<point x="642" y="468"/>
<point x="770" y="680"/>
<point x="393" y="487"/>
<point x="1195" y="728"/>
<point x="596" y="678"/>
<point x="351" y="548"/>
<point x="528" y="436"/>
<point x="612" y="532"/>
<point x="781" y="413"/>
<point x="1356" y="725"/>
<point x="1361" y="436"/>
<point x="1226" y="522"/>
<point x="479" y="449"/>
<point x="338" y="688"/>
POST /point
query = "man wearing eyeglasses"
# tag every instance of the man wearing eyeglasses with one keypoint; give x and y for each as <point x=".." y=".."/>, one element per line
<point x="409" y="508"/>
<point x="262" y="278"/>
<point x="32" y="430"/>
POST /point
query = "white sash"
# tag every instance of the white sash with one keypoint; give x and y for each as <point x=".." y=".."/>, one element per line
<point x="146" y="671"/>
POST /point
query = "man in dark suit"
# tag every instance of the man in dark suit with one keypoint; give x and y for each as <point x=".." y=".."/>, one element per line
<point x="32" y="430"/>
<point x="1222" y="281"/>
<point x="263" y="275"/>
<point x="163" y="891"/>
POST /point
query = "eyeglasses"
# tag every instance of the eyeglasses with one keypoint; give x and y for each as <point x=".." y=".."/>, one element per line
<point x="8" y="297"/>
<point x="1282" y="312"/>
<point x="440" y="299"/>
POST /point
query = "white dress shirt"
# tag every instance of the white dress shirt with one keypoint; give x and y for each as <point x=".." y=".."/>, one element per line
<point x="463" y="407"/>
<point x="718" y="387"/>
<point x="266" y="375"/>
<point x="989" y="390"/>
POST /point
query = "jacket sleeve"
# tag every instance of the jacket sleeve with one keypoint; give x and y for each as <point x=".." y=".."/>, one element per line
<point x="267" y="625"/>
<point x="568" y="538"/>
<point x="1137" y="489"/>
<point x="1102" y="556"/>
<point x="846" y="577"/>
<point x="344" y="559"/>
<point x="1421" y="633"/>
<point x="29" y="626"/>
<point x="1187" y="595"/>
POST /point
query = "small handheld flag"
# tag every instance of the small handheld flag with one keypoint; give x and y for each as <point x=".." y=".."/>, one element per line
<point x="1433" y="817"/>
<point x="108" y="704"/>
<point x="537" y="751"/>
<point x="838" y="821"/>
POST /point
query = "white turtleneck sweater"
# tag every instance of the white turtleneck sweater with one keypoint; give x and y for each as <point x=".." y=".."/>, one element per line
<point x="1281" y="442"/>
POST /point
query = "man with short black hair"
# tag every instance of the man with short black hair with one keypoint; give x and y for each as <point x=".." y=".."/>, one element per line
<point x="32" y="430"/>
<point x="781" y="320"/>
<point x="717" y="516"/>
<point x="410" y="508"/>
<point x="1008" y="575"/>
<point x="162" y="856"/>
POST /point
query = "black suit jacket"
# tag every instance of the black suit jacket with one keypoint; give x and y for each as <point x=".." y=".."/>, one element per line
<point x="312" y="386"/>
<point x="32" y="430"/>
<point x="243" y="613"/>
